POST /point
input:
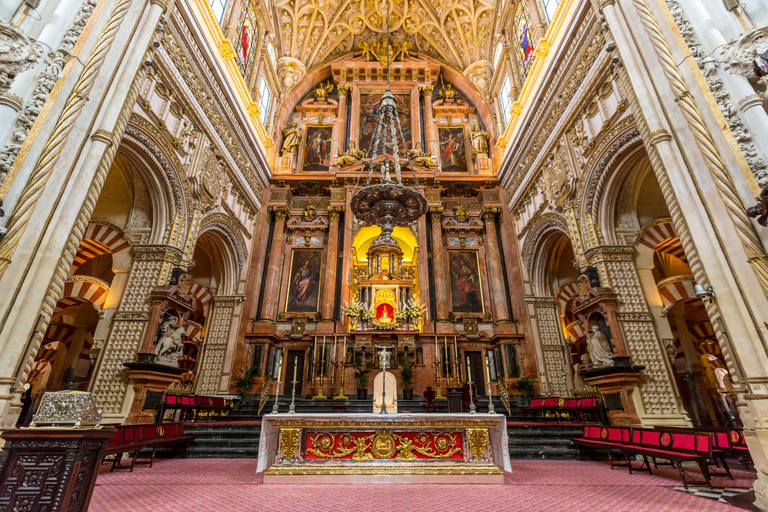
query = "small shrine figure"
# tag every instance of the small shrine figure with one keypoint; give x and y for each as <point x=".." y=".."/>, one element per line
<point x="419" y="157"/>
<point x="599" y="348"/>
<point x="447" y="92"/>
<point x="351" y="157"/>
<point x="479" y="140"/>
<point x="460" y="213"/>
<point x="323" y="90"/>
<point x="291" y="139"/>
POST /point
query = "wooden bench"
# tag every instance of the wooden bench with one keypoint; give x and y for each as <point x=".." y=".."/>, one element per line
<point x="675" y="447"/>
<point x="580" y="409"/>
<point x="133" y="439"/>
<point x="604" y="439"/>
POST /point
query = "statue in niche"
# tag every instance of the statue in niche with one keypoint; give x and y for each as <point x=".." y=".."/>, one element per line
<point x="169" y="346"/>
<point x="351" y="157"/>
<point x="419" y="157"/>
<point x="291" y="139"/>
<point x="479" y="140"/>
<point x="599" y="348"/>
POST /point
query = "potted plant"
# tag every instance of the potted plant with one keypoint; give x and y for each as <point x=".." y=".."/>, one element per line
<point x="361" y="376"/>
<point x="243" y="384"/>
<point x="406" y="373"/>
<point x="525" y="385"/>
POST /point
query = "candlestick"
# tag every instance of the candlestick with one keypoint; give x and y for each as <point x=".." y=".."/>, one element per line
<point x="469" y="372"/>
<point x="295" y="367"/>
<point x="487" y="370"/>
<point x="341" y="395"/>
<point x="447" y="361"/>
<point x="322" y="371"/>
<point x="472" y="408"/>
<point x="320" y="392"/>
<point x="277" y="384"/>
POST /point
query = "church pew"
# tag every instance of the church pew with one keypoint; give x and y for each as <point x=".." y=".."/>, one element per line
<point x="133" y="439"/>
<point x="603" y="439"/>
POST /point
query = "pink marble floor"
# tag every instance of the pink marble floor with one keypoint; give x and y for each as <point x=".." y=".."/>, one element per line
<point x="204" y="485"/>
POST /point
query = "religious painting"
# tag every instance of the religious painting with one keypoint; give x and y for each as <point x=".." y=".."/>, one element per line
<point x="370" y="106"/>
<point x="317" y="149"/>
<point x="525" y="44"/>
<point x="466" y="289"/>
<point x="247" y="40"/>
<point x="304" y="281"/>
<point x="453" y="155"/>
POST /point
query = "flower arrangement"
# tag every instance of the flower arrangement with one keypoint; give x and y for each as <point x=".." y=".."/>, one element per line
<point x="355" y="309"/>
<point x="413" y="311"/>
<point x="390" y="326"/>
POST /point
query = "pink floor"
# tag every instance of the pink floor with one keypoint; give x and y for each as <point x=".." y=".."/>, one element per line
<point x="207" y="485"/>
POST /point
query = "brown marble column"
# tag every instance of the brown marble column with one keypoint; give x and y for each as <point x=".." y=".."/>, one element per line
<point x="329" y="279"/>
<point x="423" y="270"/>
<point x="272" y="297"/>
<point x="341" y="126"/>
<point x="439" y="263"/>
<point x="430" y="130"/>
<point x="495" y="272"/>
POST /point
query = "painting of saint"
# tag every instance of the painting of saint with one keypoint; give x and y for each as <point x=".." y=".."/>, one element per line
<point x="466" y="289"/>
<point x="453" y="156"/>
<point x="304" y="281"/>
<point x="317" y="152"/>
<point x="369" y="111"/>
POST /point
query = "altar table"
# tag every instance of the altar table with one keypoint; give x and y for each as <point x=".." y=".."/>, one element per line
<point x="384" y="448"/>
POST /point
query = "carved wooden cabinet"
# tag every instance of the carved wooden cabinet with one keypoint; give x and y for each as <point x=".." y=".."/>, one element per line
<point x="50" y="469"/>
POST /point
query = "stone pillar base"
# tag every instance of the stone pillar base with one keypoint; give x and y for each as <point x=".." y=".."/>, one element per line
<point x="145" y="377"/>
<point x="617" y="389"/>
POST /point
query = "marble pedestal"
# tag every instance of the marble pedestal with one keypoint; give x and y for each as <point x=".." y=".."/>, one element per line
<point x="376" y="448"/>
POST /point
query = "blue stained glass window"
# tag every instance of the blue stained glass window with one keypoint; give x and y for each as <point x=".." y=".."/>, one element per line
<point x="525" y="43"/>
<point x="247" y="40"/>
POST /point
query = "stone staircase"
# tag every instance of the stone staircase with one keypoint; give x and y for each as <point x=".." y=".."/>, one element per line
<point x="542" y="441"/>
<point x="239" y="436"/>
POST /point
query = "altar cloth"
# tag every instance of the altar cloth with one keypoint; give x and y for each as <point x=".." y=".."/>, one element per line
<point x="384" y="448"/>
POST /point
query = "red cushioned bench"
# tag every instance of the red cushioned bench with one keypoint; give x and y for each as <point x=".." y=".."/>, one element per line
<point x="133" y="439"/>
<point x="541" y="406"/>
<point x="676" y="447"/>
<point x="194" y="407"/>
<point x="579" y="409"/>
<point x="604" y="439"/>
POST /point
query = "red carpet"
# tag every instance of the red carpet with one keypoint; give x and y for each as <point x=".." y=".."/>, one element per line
<point x="203" y="485"/>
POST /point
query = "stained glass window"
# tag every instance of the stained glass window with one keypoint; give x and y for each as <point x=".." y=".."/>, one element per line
<point x="550" y="6"/>
<point x="218" y="8"/>
<point x="524" y="41"/>
<point x="247" y="40"/>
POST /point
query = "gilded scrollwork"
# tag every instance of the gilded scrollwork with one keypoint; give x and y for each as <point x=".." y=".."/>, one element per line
<point x="384" y="444"/>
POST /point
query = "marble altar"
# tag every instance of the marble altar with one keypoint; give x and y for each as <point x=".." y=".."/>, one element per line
<point x="376" y="448"/>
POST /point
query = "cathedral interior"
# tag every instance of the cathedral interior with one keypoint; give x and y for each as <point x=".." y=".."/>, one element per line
<point x="554" y="211"/>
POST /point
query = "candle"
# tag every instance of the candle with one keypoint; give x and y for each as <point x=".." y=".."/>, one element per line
<point x="279" y="370"/>
<point x="344" y="351"/>
<point x="456" y="347"/>
<point x="295" y="367"/>
<point x="487" y="370"/>
<point x="437" y="350"/>
<point x="469" y="372"/>
<point x="314" y="352"/>
<point x="334" y="348"/>
<point x="447" y="356"/>
<point x="322" y="359"/>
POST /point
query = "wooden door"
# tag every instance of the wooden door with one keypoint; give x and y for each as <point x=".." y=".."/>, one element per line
<point x="298" y="356"/>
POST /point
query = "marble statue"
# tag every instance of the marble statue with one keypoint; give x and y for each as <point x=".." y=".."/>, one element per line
<point x="419" y="157"/>
<point x="599" y="348"/>
<point x="479" y="140"/>
<point x="351" y="157"/>
<point x="169" y="347"/>
<point x="291" y="139"/>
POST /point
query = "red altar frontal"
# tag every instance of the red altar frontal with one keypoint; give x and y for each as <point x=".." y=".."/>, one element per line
<point x="376" y="448"/>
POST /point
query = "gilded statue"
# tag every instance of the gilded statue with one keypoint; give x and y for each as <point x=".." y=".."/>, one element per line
<point x="310" y="212"/>
<point x="351" y="157"/>
<point x="599" y="348"/>
<point x="323" y="90"/>
<point x="447" y="92"/>
<point x="479" y="140"/>
<point x="291" y="139"/>
<point x="419" y="157"/>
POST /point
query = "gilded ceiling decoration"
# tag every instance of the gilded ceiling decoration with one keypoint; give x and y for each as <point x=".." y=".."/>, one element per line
<point x="457" y="32"/>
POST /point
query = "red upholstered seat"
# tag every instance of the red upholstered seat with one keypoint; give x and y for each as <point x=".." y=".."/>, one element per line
<point x="551" y="402"/>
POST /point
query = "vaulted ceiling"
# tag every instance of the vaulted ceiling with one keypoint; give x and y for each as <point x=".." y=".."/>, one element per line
<point x="456" y="32"/>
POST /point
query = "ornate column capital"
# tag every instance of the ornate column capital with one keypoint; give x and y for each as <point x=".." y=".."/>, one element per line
<point x="489" y="213"/>
<point x="344" y="90"/>
<point x="426" y="90"/>
<point x="334" y="212"/>
<point x="280" y="212"/>
<point x="436" y="212"/>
